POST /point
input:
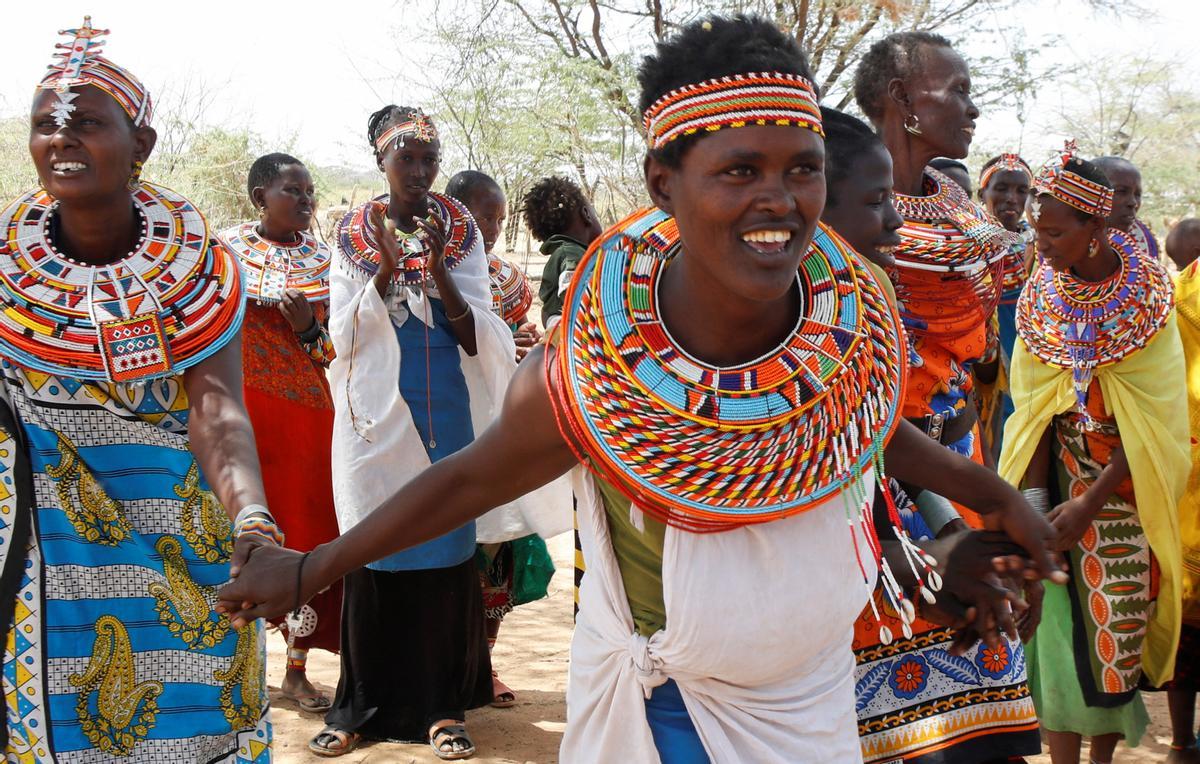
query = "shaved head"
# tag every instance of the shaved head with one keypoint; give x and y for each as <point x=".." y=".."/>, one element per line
<point x="1183" y="242"/>
<point x="1126" y="181"/>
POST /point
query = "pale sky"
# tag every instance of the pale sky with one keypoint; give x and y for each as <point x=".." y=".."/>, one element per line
<point x="315" y="71"/>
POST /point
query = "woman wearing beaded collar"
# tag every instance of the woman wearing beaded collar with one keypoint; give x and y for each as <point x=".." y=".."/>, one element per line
<point x="1099" y="438"/>
<point x="285" y="351"/>
<point x="120" y="405"/>
<point x="422" y="364"/>
<point x="720" y="454"/>
<point x="916" y="90"/>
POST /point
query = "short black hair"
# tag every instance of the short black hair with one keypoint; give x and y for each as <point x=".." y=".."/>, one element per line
<point x="384" y="117"/>
<point x="1115" y="162"/>
<point x="1088" y="171"/>
<point x="847" y="139"/>
<point x="466" y="183"/>
<point x="893" y="57"/>
<point x="945" y="163"/>
<point x="711" y="47"/>
<point x="551" y="206"/>
<point x="266" y="169"/>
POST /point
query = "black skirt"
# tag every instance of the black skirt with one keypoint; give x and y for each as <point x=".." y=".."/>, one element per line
<point x="414" y="651"/>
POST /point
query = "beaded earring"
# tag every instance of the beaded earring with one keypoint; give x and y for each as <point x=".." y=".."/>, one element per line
<point x="135" y="178"/>
<point x="915" y="127"/>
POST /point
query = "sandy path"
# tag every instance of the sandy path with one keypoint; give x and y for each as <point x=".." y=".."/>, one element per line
<point x="531" y="657"/>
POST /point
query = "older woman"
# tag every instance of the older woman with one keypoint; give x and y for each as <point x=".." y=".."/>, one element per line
<point x="120" y="405"/>
<point x="1100" y="440"/>
<point x="916" y="89"/>
<point x="686" y="647"/>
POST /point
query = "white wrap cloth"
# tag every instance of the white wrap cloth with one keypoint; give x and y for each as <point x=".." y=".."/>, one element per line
<point x="758" y="639"/>
<point x="376" y="445"/>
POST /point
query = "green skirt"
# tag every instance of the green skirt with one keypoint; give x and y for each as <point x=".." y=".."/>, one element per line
<point x="1054" y="683"/>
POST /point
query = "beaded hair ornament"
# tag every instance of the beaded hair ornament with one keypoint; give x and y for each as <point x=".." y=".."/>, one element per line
<point x="1069" y="188"/>
<point x="80" y="63"/>
<point x="1005" y="163"/>
<point x="417" y="125"/>
<point x="739" y="100"/>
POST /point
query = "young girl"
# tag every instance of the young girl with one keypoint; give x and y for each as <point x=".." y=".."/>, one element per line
<point x="285" y="350"/>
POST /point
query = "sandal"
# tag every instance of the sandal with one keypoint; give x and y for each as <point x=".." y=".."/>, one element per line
<point x="323" y="743"/>
<point x="445" y="735"/>
<point x="502" y="694"/>
<point x="314" y="704"/>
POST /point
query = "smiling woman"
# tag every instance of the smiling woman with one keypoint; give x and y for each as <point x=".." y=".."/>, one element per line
<point x="120" y="405"/>
<point x="725" y="381"/>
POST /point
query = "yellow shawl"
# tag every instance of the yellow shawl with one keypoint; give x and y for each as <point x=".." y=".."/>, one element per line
<point x="1145" y="392"/>
<point x="1187" y="306"/>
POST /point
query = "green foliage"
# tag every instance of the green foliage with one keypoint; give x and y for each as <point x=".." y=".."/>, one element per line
<point x="211" y="172"/>
<point x="16" y="170"/>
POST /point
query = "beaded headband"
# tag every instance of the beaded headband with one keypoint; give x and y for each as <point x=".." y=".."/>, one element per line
<point x="1005" y="163"/>
<point x="80" y="63"/>
<point x="739" y="100"/>
<point x="418" y="125"/>
<point x="1069" y="188"/>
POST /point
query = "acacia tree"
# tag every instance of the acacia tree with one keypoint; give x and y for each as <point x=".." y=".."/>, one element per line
<point x="1137" y="110"/>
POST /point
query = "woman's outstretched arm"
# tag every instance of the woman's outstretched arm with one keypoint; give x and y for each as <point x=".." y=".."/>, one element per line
<point x="520" y="452"/>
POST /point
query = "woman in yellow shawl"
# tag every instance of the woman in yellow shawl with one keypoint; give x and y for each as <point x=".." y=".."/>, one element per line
<point x="1100" y="435"/>
<point x="1181" y="691"/>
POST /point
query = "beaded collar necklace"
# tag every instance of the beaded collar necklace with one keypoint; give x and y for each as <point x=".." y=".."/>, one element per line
<point x="511" y="293"/>
<point x="703" y="447"/>
<point x="357" y="243"/>
<point x="271" y="268"/>
<point x="171" y="302"/>
<point x="945" y="231"/>
<point x="1015" y="271"/>
<point x="1078" y="325"/>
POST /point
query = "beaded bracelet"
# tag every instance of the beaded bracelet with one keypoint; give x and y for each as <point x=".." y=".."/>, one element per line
<point x="251" y="509"/>
<point x="260" y="526"/>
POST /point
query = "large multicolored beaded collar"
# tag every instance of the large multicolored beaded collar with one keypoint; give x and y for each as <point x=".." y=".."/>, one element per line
<point x="1079" y="325"/>
<point x="356" y="240"/>
<point x="271" y="268"/>
<point x="739" y="100"/>
<point x="708" y="448"/>
<point x="172" y="302"/>
<point x="511" y="293"/>
<point x="945" y="231"/>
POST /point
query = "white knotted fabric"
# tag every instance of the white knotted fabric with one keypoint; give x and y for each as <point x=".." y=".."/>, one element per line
<point x="377" y="448"/>
<point x="758" y="639"/>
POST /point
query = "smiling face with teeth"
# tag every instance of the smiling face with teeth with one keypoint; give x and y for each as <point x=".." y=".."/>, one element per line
<point x="746" y="201"/>
<point x="93" y="155"/>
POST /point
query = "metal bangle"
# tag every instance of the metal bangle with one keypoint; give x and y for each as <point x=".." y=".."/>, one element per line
<point x="251" y="509"/>
<point x="461" y="316"/>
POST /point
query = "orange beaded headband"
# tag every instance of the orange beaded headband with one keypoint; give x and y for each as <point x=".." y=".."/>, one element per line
<point x="418" y="126"/>
<point x="1069" y="188"/>
<point x="739" y="100"/>
<point x="1005" y="163"/>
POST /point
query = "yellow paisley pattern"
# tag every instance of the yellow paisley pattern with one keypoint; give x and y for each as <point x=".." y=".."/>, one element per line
<point x="94" y="515"/>
<point x="180" y="602"/>
<point x="206" y="527"/>
<point x="245" y="673"/>
<point x="124" y="709"/>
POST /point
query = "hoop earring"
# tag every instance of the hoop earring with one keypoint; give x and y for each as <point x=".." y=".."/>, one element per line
<point x="135" y="178"/>
<point x="915" y="127"/>
<point x="1093" y="248"/>
<point x="262" y="213"/>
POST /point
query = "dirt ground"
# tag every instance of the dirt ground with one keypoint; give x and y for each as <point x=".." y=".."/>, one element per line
<point x="531" y="657"/>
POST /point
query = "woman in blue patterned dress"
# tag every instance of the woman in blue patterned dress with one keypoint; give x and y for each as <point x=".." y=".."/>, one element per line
<point x="120" y="405"/>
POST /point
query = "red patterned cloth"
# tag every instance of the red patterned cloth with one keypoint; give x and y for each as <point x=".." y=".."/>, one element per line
<point x="292" y="413"/>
